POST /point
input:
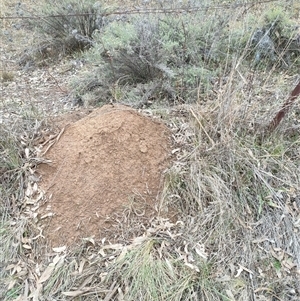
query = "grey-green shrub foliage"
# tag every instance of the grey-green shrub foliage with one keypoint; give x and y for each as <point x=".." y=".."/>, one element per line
<point x="174" y="56"/>
<point x="176" y="53"/>
<point x="276" y="39"/>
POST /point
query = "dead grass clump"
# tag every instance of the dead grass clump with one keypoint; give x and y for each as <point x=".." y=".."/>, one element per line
<point x="238" y="191"/>
<point x="152" y="271"/>
<point x="17" y="178"/>
<point x="64" y="26"/>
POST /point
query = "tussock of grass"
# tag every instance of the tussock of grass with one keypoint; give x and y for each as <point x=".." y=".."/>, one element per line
<point x="147" y="275"/>
<point x="17" y="162"/>
<point x="9" y="164"/>
<point x="236" y="188"/>
<point x="64" y="27"/>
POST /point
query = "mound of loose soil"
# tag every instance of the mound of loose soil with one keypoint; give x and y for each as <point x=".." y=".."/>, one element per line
<point x="99" y="164"/>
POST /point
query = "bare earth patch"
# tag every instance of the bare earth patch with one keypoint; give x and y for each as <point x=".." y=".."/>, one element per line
<point x="99" y="165"/>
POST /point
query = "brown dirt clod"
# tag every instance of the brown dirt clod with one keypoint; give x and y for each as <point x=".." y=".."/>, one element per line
<point x="99" y="164"/>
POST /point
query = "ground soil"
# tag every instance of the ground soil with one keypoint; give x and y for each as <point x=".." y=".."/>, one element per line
<point x="100" y="164"/>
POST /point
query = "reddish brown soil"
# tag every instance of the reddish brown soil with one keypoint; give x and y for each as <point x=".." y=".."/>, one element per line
<point x="99" y="165"/>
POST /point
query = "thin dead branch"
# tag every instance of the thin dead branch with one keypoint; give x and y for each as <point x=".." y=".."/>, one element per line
<point x="285" y="108"/>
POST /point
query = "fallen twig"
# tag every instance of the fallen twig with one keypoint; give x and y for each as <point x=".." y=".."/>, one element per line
<point x="285" y="108"/>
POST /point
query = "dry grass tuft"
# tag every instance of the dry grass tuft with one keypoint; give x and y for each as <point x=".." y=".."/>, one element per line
<point x="18" y="191"/>
<point x="237" y="189"/>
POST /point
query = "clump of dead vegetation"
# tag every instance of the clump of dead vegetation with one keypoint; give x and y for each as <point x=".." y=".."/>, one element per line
<point x="64" y="27"/>
<point x="238" y="191"/>
<point x="17" y="185"/>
